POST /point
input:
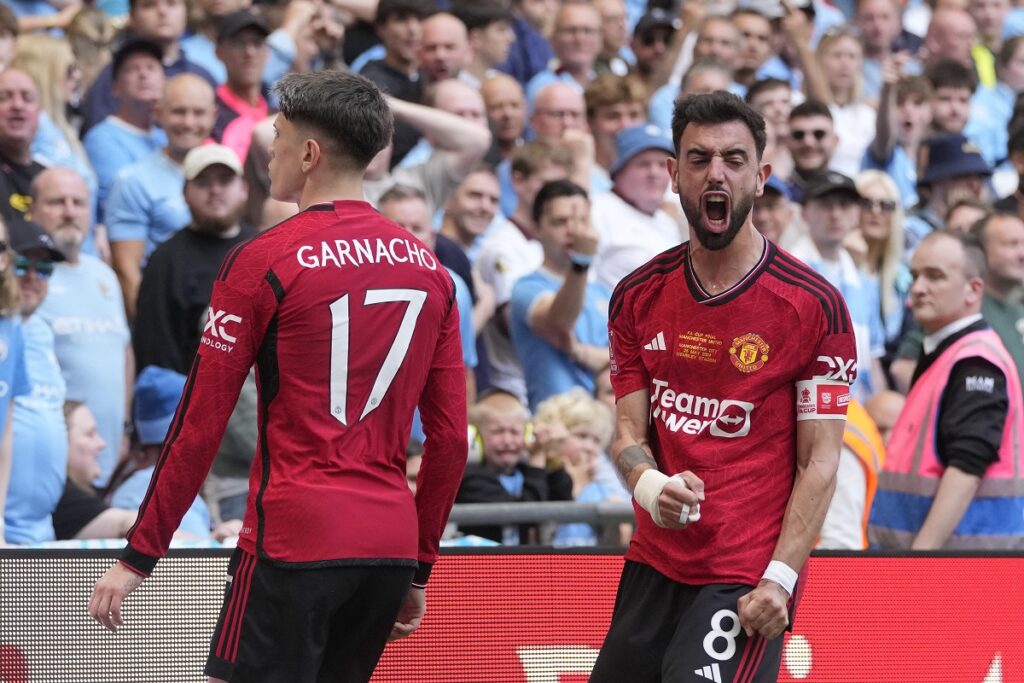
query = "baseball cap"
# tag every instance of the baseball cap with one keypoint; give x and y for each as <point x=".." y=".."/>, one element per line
<point x="232" y="24"/>
<point x="26" y="236"/>
<point x="157" y="392"/>
<point x="201" y="158"/>
<point x="656" y="18"/>
<point x="775" y="184"/>
<point x="135" y="47"/>
<point x="636" y="139"/>
<point x="829" y="182"/>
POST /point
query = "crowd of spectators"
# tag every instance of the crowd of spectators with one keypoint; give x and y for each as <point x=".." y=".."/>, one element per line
<point x="529" y="154"/>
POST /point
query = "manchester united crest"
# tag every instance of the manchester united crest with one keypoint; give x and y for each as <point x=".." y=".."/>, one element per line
<point x="749" y="353"/>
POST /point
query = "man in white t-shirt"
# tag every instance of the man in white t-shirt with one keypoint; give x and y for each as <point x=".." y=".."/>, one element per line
<point x="632" y="226"/>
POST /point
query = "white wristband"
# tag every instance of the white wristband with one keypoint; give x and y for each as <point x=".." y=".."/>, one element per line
<point x="647" y="490"/>
<point x="782" y="574"/>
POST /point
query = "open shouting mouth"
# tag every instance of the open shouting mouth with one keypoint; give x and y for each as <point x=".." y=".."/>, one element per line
<point x="717" y="208"/>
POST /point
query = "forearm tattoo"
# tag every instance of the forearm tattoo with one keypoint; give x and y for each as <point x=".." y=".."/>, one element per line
<point x="630" y="457"/>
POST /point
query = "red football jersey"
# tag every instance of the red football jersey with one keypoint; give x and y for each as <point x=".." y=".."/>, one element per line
<point x="351" y="322"/>
<point x="727" y="376"/>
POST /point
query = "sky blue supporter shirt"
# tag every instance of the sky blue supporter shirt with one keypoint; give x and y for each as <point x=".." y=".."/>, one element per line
<point x="113" y="144"/>
<point x="39" y="464"/>
<point x="464" y="302"/>
<point x="548" y="371"/>
<point x="900" y="168"/>
<point x="129" y="496"/>
<point x="13" y="373"/>
<point x="146" y="202"/>
<point x="84" y="310"/>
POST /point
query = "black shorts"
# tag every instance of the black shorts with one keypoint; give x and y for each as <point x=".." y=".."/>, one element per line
<point x="662" y="630"/>
<point x="304" y="625"/>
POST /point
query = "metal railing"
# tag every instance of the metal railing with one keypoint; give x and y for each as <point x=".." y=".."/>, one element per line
<point x="605" y="517"/>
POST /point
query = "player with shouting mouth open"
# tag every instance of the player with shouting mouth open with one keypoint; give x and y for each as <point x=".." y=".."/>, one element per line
<point x="723" y="361"/>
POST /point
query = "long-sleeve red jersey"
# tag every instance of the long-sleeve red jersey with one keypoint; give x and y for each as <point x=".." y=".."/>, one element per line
<point x="350" y="322"/>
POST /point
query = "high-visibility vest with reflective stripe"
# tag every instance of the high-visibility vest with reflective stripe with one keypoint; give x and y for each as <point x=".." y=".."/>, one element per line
<point x="861" y="436"/>
<point x="910" y="477"/>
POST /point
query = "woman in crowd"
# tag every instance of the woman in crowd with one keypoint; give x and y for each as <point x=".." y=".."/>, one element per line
<point x="81" y="513"/>
<point x="841" y="58"/>
<point x="880" y="251"/>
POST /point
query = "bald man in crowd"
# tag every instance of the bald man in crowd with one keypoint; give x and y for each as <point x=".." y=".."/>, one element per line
<point x="506" y="110"/>
<point x="145" y="205"/>
<point x="444" y="47"/>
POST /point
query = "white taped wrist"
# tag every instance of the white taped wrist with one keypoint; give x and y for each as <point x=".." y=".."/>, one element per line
<point x="647" y="490"/>
<point x="782" y="574"/>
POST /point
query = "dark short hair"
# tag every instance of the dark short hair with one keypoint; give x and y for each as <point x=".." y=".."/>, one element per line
<point x="809" y="108"/>
<point x="556" y="189"/>
<point x="764" y="85"/>
<point x="481" y="13"/>
<point x="975" y="264"/>
<point x="717" y="107"/>
<point x="346" y="108"/>
<point x="134" y="47"/>
<point x="400" y="9"/>
<point x="948" y="73"/>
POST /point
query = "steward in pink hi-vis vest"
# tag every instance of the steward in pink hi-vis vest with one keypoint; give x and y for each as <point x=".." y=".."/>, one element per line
<point x="910" y="478"/>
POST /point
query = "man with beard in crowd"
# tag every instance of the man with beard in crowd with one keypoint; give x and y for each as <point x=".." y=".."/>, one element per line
<point x="85" y="312"/>
<point x="176" y="287"/>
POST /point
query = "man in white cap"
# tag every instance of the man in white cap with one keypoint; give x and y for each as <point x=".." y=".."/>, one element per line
<point x="632" y="226"/>
<point x="175" y="293"/>
<point x="175" y="290"/>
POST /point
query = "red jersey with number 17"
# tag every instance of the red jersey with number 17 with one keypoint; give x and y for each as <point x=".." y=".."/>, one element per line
<point x="729" y="376"/>
<point x="350" y="322"/>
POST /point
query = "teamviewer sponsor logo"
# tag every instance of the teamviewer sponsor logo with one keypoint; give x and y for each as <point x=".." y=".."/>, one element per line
<point x="693" y="414"/>
<point x="218" y="331"/>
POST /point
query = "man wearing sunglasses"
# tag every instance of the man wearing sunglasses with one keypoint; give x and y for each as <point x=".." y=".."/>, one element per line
<point x="40" y="450"/>
<point x="812" y="141"/>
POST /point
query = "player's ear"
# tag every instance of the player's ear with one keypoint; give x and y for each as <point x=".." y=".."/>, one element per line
<point x="311" y="155"/>
<point x="762" y="178"/>
<point x="671" y="164"/>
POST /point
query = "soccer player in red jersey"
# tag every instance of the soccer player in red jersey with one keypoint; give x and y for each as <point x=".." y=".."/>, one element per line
<point x="351" y="323"/>
<point x="731" y="363"/>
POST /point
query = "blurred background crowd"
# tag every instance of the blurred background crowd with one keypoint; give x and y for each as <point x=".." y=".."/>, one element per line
<point x="134" y="142"/>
